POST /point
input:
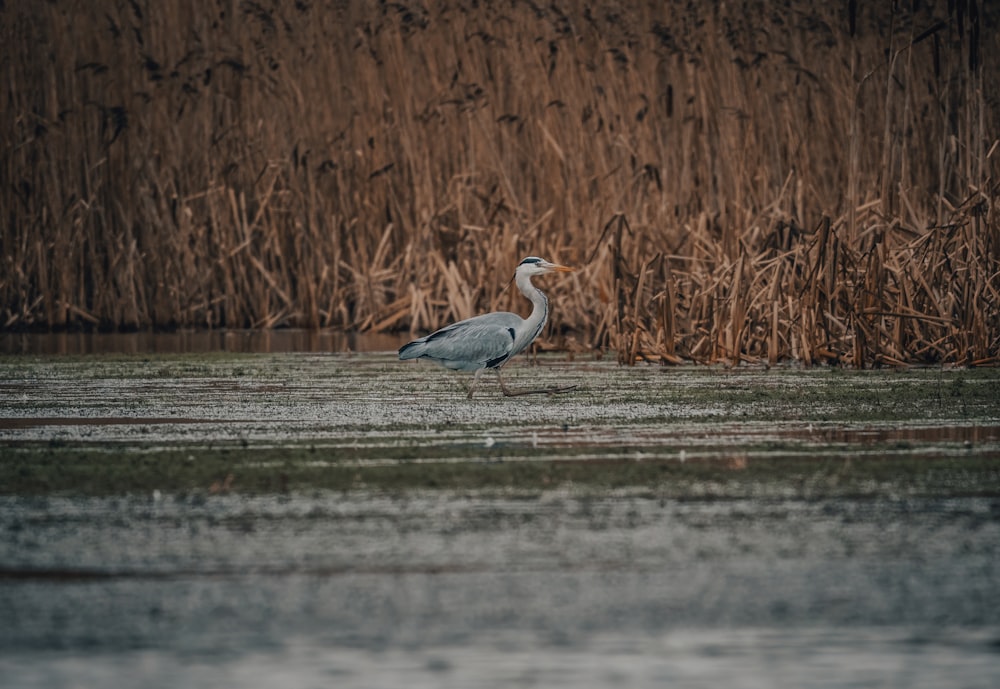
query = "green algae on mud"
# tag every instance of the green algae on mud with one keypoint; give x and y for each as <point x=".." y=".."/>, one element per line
<point x="898" y="473"/>
<point x="293" y="422"/>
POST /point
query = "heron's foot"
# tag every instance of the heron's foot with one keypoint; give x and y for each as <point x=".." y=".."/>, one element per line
<point x="542" y="391"/>
<point x="562" y="389"/>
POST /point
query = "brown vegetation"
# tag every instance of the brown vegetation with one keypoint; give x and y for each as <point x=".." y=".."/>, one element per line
<point x="741" y="181"/>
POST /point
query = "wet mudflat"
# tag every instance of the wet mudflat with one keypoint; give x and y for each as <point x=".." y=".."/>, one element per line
<point x="346" y="520"/>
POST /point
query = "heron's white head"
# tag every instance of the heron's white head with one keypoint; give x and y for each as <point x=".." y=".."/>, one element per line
<point x="533" y="265"/>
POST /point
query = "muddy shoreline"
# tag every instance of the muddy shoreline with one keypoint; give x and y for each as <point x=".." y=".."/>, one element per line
<point x="259" y="423"/>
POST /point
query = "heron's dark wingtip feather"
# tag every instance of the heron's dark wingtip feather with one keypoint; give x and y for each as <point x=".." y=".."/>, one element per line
<point x="407" y="350"/>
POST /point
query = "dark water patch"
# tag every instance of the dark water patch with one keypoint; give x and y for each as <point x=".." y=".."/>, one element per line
<point x="196" y="342"/>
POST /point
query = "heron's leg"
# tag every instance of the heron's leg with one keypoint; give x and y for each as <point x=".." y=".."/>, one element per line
<point x="506" y="391"/>
<point x="475" y="379"/>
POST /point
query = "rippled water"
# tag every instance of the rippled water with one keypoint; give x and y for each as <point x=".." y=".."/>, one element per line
<point x="438" y="590"/>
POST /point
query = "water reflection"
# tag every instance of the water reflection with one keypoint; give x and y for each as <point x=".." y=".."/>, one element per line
<point x="198" y="342"/>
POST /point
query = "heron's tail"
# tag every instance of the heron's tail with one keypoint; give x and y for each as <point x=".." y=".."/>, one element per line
<point x="411" y="350"/>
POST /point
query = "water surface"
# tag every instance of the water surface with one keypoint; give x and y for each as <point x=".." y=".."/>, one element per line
<point x="316" y="519"/>
<point x="443" y="590"/>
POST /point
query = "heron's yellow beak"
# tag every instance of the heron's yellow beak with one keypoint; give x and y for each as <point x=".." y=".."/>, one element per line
<point x="561" y="269"/>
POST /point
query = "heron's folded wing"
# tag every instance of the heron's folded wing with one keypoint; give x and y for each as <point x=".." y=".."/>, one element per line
<point x="474" y="343"/>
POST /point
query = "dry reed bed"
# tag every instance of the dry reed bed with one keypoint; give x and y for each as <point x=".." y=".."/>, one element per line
<point x="762" y="181"/>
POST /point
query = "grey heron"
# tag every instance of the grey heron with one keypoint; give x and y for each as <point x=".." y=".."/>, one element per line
<point x="490" y="340"/>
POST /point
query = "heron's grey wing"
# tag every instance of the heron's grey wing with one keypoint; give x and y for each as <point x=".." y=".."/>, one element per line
<point x="482" y="342"/>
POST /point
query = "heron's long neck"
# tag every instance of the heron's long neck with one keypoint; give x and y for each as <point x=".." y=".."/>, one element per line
<point x="534" y="323"/>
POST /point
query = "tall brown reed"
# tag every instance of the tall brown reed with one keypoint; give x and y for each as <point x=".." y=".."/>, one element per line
<point x="756" y="181"/>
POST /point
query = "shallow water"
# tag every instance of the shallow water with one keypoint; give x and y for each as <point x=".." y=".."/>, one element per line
<point x="839" y="578"/>
<point x="196" y="342"/>
<point x="438" y="590"/>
